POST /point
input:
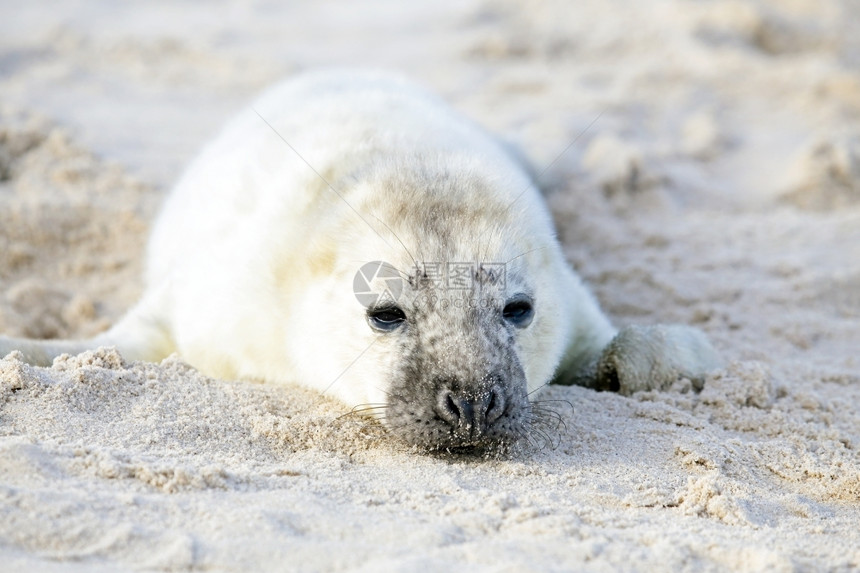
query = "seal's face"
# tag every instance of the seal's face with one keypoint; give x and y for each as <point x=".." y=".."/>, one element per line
<point x="458" y="380"/>
<point x="464" y="318"/>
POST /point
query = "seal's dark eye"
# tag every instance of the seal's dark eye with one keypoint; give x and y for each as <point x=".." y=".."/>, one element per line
<point x="519" y="312"/>
<point x="385" y="319"/>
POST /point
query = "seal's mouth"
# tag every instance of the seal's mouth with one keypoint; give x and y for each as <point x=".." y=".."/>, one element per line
<point x="433" y="433"/>
<point x="497" y="446"/>
<point x="489" y="450"/>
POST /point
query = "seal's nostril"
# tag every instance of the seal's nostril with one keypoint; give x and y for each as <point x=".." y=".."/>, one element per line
<point x="495" y="406"/>
<point x="471" y="414"/>
<point x="457" y="410"/>
<point x="451" y="407"/>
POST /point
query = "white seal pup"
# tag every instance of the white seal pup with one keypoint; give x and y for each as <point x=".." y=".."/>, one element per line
<point x="354" y="234"/>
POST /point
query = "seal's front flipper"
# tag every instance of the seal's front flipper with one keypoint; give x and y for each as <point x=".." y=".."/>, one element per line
<point x="653" y="358"/>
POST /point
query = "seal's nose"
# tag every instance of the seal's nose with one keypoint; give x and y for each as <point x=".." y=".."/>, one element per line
<point x="470" y="414"/>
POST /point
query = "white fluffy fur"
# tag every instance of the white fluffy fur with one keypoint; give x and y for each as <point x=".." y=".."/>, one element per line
<point x="250" y="264"/>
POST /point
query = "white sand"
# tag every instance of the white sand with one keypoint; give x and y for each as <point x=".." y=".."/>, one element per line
<point x="720" y="187"/>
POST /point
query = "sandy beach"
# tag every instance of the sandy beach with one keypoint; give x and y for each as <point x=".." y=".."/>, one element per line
<point x="713" y="180"/>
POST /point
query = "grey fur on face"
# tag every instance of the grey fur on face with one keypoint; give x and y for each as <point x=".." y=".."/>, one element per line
<point x="458" y="380"/>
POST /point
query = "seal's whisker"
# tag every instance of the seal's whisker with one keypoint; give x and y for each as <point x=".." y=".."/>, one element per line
<point x="524" y="435"/>
<point x="390" y="230"/>
<point x="371" y="426"/>
<point x="543" y="423"/>
<point x="333" y="382"/>
<point x="369" y="405"/>
<point x="403" y="274"/>
<point x="386" y="392"/>
<point x="541" y="428"/>
<point x="547" y="415"/>
<point x="553" y="401"/>
<point x="546" y="410"/>
<point x="362" y="422"/>
<point x="541" y="407"/>
<point x="489" y="241"/>
<point x="323" y="179"/>
<point x="541" y="413"/>
<point x="541" y="440"/>
<point x="539" y="388"/>
<point x="551" y="435"/>
<point x="533" y="434"/>
<point x="368" y="413"/>
<point x="524" y="254"/>
<point x="371" y="410"/>
<point x="386" y="265"/>
<point x="550" y="406"/>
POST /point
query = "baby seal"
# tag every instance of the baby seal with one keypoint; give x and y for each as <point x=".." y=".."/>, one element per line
<point x="354" y="234"/>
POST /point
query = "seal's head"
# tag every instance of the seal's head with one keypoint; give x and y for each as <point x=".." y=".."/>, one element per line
<point x="458" y="380"/>
<point x="459" y="302"/>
